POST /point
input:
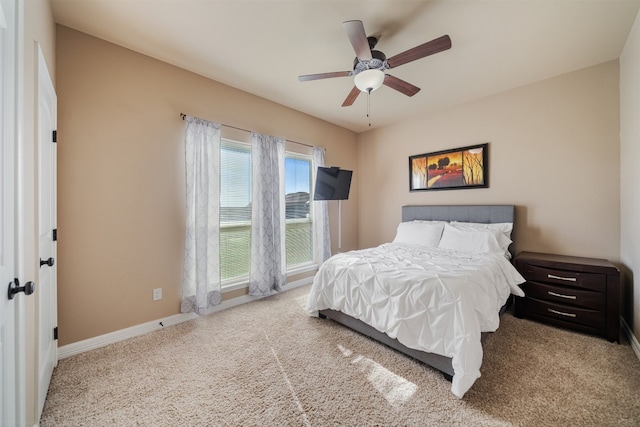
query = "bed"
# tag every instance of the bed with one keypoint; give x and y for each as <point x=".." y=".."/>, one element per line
<point x="432" y="295"/>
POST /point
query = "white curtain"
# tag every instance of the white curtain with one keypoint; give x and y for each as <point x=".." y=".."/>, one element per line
<point x="321" y="235"/>
<point x="267" y="274"/>
<point x="201" y="275"/>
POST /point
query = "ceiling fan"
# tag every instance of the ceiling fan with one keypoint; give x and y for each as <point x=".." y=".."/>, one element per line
<point x="370" y="65"/>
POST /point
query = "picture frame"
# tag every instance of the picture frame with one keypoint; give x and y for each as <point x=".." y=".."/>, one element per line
<point x="454" y="169"/>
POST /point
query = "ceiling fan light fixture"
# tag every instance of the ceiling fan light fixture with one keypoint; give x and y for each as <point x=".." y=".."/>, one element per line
<point x="369" y="80"/>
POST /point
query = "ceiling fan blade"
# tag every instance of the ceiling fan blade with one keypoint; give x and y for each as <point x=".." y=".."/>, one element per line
<point x="358" y="39"/>
<point x="350" y="99"/>
<point x="400" y="85"/>
<point x="324" y="76"/>
<point x="429" y="48"/>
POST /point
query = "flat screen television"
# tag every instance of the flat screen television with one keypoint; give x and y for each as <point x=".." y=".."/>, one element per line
<point x="332" y="183"/>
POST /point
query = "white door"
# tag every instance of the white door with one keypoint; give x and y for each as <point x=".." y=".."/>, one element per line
<point x="47" y="348"/>
<point x="11" y="348"/>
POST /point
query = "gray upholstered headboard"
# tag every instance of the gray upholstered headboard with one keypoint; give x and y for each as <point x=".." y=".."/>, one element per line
<point x="485" y="214"/>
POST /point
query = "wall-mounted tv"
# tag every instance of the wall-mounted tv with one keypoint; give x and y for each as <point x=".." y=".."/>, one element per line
<point x="332" y="183"/>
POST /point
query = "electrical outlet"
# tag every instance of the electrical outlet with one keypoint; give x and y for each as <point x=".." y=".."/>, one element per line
<point x="157" y="294"/>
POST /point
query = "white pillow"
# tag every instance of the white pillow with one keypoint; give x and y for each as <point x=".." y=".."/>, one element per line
<point x="503" y="227"/>
<point x="470" y="240"/>
<point x="502" y="231"/>
<point x="424" y="233"/>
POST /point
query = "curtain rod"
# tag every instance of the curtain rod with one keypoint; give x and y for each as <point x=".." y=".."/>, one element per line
<point x="183" y="116"/>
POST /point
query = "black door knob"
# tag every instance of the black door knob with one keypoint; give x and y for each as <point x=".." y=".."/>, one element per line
<point x="48" y="262"/>
<point x="14" y="288"/>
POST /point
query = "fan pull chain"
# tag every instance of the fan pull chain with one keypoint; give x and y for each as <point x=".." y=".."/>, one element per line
<point x="369" y="106"/>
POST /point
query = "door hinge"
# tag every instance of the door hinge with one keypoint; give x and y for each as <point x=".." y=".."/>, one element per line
<point x="55" y="136"/>
<point x="55" y="333"/>
<point x="55" y="234"/>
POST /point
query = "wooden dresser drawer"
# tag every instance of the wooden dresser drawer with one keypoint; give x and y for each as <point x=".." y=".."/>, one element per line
<point x="592" y="318"/>
<point x="565" y="295"/>
<point x="593" y="281"/>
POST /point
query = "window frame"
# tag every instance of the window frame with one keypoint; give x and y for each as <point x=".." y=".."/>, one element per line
<point x="313" y="263"/>
<point x="242" y="281"/>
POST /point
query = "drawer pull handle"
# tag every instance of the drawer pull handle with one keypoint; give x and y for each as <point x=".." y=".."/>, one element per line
<point x="568" y="279"/>
<point x="561" y="296"/>
<point x="561" y="313"/>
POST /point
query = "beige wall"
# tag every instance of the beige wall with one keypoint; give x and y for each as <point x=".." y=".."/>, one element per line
<point x="39" y="28"/>
<point x="121" y="177"/>
<point x="553" y="152"/>
<point x="630" y="174"/>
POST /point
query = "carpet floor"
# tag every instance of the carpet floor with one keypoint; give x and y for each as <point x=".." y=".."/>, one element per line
<point x="267" y="363"/>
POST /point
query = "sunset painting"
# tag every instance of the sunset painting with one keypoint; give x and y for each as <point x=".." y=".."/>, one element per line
<point x="451" y="169"/>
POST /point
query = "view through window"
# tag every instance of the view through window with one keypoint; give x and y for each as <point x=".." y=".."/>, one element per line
<point x="298" y="210"/>
<point x="235" y="210"/>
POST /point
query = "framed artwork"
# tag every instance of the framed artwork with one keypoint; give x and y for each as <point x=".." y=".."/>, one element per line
<point x="465" y="167"/>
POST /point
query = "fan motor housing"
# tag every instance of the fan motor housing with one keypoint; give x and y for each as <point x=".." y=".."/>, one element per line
<point x="378" y="61"/>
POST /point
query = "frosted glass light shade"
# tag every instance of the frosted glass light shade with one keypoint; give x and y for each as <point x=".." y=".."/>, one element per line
<point x="369" y="80"/>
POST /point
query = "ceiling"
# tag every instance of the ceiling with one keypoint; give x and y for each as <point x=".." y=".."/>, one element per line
<point x="262" y="46"/>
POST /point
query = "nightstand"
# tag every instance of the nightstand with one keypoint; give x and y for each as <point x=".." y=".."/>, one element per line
<point x="577" y="293"/>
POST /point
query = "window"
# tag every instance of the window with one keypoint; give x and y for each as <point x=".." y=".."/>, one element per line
<point x="299" y="234"/>
<point x="235" y="210"/>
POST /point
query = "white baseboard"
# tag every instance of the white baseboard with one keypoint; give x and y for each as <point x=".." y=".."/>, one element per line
<point x="635" y="345"/>
<point x="121" y="335"/>
<point x="144" y="328"/>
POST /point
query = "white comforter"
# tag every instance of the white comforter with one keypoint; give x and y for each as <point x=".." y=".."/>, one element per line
<point x="429" y="299"/>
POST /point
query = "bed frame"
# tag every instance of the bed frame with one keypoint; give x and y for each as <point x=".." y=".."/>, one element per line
<point x="485" y="214"/>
